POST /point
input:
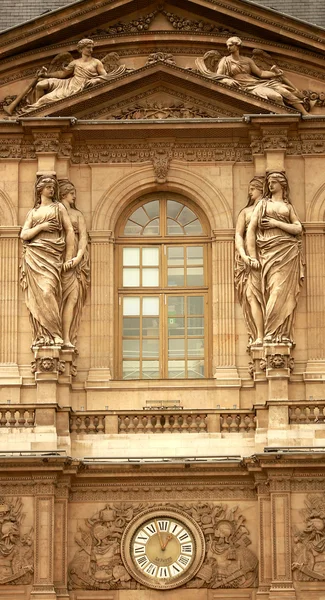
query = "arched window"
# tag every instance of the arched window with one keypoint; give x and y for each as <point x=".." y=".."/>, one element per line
<point x="162" y="263"/>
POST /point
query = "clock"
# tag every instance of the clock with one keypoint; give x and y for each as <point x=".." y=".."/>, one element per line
<point x="163" y="549"/>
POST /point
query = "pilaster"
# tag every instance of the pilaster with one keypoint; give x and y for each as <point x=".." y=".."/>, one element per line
<point x="102" y="317"/>
<point x="223" y="306"/>
<point x="9" y="250"/>
<point x="264" y="535"/>
<point x="43" y="588"/>
<point x="61" y="538"/>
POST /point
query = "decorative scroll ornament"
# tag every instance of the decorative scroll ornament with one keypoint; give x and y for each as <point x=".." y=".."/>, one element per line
<point x="163" y="57"/>
<point x="16" y="549"/>
<point x="161" y="155"/>
<point x="309" y="544"/>
<point x="157" y="110"/>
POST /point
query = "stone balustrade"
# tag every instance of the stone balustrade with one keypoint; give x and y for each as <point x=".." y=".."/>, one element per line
<point x="15" y="416"/>
<point x="307" y="413"/>
<point x="237" y="422"/>
<point x="162" y="421"/>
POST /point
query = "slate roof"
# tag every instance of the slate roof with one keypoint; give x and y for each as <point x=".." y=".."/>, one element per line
<point x="15" y="12"/>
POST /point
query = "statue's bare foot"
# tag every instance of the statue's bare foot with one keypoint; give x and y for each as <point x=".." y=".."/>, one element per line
<point x="58" y="341"/>
<point x="68" y="344"/>
<point x="257" y="342"/>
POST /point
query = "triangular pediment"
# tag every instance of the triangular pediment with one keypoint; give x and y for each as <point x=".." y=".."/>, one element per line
<point x="146" y="87"/>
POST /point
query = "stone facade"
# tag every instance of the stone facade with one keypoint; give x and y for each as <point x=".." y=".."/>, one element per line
<point x="162" y="313"/>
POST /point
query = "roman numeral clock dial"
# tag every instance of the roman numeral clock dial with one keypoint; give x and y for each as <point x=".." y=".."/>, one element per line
<point x="163" y="549"/>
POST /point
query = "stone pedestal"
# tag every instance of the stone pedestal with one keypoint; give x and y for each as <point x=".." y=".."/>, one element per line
<point x="279" y="364"/>
<point x="68" y="360"/>
<point x="47" y="366"/>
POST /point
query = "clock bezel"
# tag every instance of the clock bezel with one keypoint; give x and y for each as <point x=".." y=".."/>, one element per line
<point x="154" y="514"/>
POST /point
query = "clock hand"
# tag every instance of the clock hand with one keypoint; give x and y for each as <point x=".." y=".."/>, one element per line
<point x="159" y="537"/>
<point x="168" y="538"/>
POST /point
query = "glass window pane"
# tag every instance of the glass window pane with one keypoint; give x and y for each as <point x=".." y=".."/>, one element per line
<point x="176" y="326"/>
<point x="176" y="305"/>
<point x="131" y="326"/>
<point x="195" y="276"/>
<point x="152" y="209"/>
<point x="193" y="228"/>
<point x="173" y="208"/>
<point x="131" y="348"/>
<point x="150" y="257"/>
<point x="152" y="228"/>
<point x="150" y="277"/>
<point x="150" y="326"/>
<point x="132" y="229"/>
<point x="131" y="277"/>
<point x="176" y="369"/>
<point x="139" y="216"/>
<point x="186" y="216"/>
<point x="131" y="257"/>
<point x="131" y="369"/>
<point x="195" y="305"/>
<point x="131" y="305"/>
<point x="175" y="256"/>
<point x="176" y="348"/>
<point x="173" y="228"/>
<point x="150" y="348"/>
<point x="195" y="347"/>
<point x="195" y="326"/>
<point x="150" y="306"/>
<point x="150" y="369"/>
<point x="195" y="369"/>
<point x="194" y="255"/>
<point x="175" y="277"/>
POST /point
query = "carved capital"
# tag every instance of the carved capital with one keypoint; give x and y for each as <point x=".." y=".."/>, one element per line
<point x="48" y="364"/>
<point x="46" y="141"/>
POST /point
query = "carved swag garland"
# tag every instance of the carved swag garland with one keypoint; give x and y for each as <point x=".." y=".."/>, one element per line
<point x="228" y="563"/>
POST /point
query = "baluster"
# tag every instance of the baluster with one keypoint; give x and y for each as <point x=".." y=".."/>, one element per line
<point x="233" y="428"/>
<point x="252" y="423"/>
<point x="140" y="424"/>
<point x="242" y="425"/>
<point x="193" y="424"/>
<point x="316" y="414"/>
<point x="135" y="423"/>
<point x="91" y="424"/>
<point x="203" y="424"/>
<point x="148" y="424"/>
<point x="30" y="418"/>
<point x="183" y="422"/>
<point x="21" y="418"/>
<point x="73" y="424"/>
<point x="82" y="425"/>
<point x="3" y="420"/>
<point x="168" y="423"/>
<point x="131" y="424"/>
<point x="159" y="424"/>
<point x="322" y="414"/>
<point x="100" y="424"/>
<point x="12" y="419"/>
<point x="223" y="423"/>
<point x="307" y="414"/>
<point x="121" y="424"/>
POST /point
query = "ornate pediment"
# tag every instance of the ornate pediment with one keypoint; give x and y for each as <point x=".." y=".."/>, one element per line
<point x="162" y="63"/>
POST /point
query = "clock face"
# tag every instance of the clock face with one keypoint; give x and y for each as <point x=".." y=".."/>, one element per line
<point x="163" y="549"/>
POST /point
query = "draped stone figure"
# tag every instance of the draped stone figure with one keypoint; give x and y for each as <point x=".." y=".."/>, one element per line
<point x="242" y="73"/>
<point x="75" y="279"/>
<point x="48" y="240"/>
<point x="74" y="77"/>
<point x="247" y="274"/>
<point x="274" y="239"/>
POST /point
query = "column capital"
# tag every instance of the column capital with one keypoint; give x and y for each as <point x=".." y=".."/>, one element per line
<point x="101" y="237"/>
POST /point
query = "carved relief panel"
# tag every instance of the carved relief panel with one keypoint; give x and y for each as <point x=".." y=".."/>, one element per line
<point x="16" y="541"/>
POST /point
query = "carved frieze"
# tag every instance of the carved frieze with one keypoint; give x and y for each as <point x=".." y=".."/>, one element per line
<point x="309" y="542"/>
<point x="16" y="548"/>
<point x="227" y="562"/>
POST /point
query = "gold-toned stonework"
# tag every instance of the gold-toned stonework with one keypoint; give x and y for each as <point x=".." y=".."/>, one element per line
<point x="309" y="543"/>
<point x="16" y="548"/>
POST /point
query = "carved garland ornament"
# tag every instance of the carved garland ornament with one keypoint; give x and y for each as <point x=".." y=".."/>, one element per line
<point x="16" y="548"/>
<point x="309" y="544"/>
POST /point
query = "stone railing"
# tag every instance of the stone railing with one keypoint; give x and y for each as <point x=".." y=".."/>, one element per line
<point x="307" y="413"/>
<point x="17" y="416"/>
<point x="163" y="421"/>
<point x="232" y="422"/>
<point x="87" y="423"/>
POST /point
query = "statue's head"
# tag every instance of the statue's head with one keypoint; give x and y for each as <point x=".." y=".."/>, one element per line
<point x="42" y="182"/>
<point x="234" y="40"/>
<point x="281" y="178"/>
<point x="257" y="183"/>
<point x="84" y="43"/>
<point x="66" y="187"/>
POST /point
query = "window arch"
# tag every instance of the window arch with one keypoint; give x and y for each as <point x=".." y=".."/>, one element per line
<point x="162" y="260"/>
